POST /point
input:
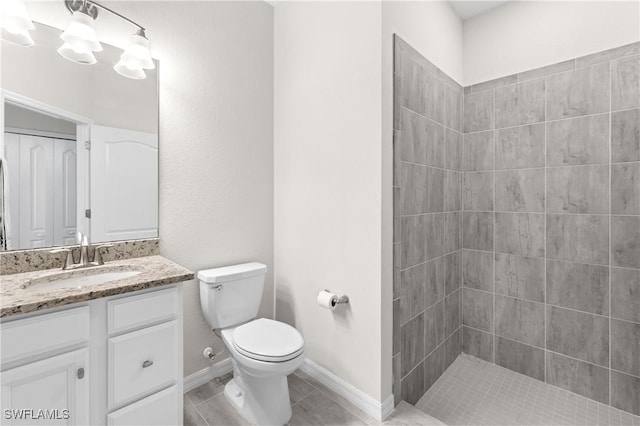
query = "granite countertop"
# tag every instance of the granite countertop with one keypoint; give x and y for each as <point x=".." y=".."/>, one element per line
<point x="19" y="293"/>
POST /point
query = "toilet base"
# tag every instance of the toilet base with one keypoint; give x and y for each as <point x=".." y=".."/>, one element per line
<point x="267" y="402"/>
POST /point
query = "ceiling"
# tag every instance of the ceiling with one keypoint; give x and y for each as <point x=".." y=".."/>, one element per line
<point x="468" y="8"/>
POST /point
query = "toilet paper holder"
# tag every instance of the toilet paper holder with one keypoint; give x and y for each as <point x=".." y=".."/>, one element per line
<point x="342" y="299"/>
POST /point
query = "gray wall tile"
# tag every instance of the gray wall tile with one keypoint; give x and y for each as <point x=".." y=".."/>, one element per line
<point x="453" y="231"/>
<point x="625" y="241"/>
<point x="520" y="233"/>
<point x="578" y="286"/>
<point x="580" y="377"/>
<point x="578" y="334"/>
<point x="412" y="87"/>
<point x="579" y="238"/>
<point x="412" y="343"/>
<point x="434" y="144"/>
<point x="434" y="290"/>
<point x="624" y="392"/>
<point x="583" y="91"/>
<point x="433" y="367"/>
<point x="477" y="309"/>
<point x="520" y="320"/>
<point x="625" y="347"/>
<point x="477" y="343"/>
<point x="625" y="188"/>
<point x="577" y="141"/>
<point x="452" y="306"/>
<point x="435" y="97"/>
<point x="396" y="327"/>
<point x="412" y="137"/>
<point x="625" y="83"/>
<point x="492" y="84"/>
<point x="413" y="189"/>
<point x="625" y="136"/>
<point x="452" y="272"/>
<point x="625" y="294"/>
<point x="477" y="191"/>
<point x="434" y="190"/>
<point x="396" y="269"/>
<point x="452" y="348"/>
<point x="478" y="151"/>
<point x="521" y="277"/>
<point x="478" y="111"/>
<point x="413" y="242"/>
<point x="520" y="147"/>
<point x="477" y="230"/>
<point x="413" y="386"/>
<point x="519" y="357"/>
<point x="453" y="106"/>
<point x="452" y="150"/>
<point x="477" y="269"/>
<point x="435" y="231"/>
<point x="578" y="189"/>
<point x="397" y="382"/>
<point x="608" y="55"/>
<point x="520" y="190"/>
<point x="548" y="70"/>
<point x="522" y="103"/>
<point x="433" y="327"/>
<point x="412" y="289"/>
<point x="452" y="190"/>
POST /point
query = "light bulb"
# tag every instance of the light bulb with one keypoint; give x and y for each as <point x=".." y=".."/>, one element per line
<point x="16" y="23"/>
<point x="80" y="39"/>
<point x="67" y="51"/>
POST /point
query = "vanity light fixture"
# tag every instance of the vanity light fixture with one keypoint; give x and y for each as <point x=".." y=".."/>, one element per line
<point x="136" y="57"/>
<point x="81" y="41"/>
<point x="16" y="23"/>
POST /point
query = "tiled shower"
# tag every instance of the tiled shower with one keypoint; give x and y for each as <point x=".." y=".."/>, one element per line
<point x="548" y="184"/>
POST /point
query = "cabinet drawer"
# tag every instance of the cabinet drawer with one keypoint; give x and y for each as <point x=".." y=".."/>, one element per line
<point x="142" y="362"/>
<point x="161" y="408"/>
<point x="144" y="309"/>
<point x="28" y="337"/>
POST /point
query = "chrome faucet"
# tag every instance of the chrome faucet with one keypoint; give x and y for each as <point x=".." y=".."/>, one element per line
<point x="84" y="262"/>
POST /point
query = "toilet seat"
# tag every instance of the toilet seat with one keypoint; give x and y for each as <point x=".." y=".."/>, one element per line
<point x="268" y="340"/>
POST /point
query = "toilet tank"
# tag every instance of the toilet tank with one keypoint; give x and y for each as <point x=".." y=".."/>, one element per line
<point x="231" y="295"/>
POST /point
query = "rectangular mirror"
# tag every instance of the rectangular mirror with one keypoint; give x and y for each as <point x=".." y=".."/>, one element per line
<point x="79" y="148"/>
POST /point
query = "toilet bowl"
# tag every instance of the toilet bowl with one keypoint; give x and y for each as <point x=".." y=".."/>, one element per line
<point x="263" y="351"/>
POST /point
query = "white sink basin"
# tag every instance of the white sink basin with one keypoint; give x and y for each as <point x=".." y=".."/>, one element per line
<point x="80" y="278"/>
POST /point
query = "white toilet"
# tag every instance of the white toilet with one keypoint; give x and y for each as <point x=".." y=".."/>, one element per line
<point x="263" y="352"/>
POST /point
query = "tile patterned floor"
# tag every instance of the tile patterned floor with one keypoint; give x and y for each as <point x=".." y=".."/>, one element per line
<point x="312" y="404"/>
<point x="475" y="392"/>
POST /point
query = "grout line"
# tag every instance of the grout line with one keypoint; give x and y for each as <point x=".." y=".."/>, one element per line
<point x="609" y="242"/>
<point x="545" y="325"/>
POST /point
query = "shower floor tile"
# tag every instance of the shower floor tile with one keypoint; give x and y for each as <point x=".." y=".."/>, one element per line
<point x="476" y="392"/>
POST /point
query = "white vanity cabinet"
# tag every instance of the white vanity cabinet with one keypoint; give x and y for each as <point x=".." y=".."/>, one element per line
<point x="115" y="361"/>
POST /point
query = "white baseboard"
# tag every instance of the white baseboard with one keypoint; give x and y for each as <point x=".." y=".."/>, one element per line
<point x="373" y="408"/>
<point x="201" y="377"/>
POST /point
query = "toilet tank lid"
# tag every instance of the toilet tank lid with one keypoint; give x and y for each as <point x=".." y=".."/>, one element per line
<point x="231" y="273"/>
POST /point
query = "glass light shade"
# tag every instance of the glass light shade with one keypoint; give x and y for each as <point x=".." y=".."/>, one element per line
<point x="68" y="52"/>
<point x="15" y="17"/>
<point x="125" y="70"/>
<point x="21" y="38"/>
<point x="137" y="54"/>
<point x="80" y="34"/>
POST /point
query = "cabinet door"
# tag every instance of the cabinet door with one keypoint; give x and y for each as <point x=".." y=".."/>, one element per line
<point x="36" y="192"/>
<point x="53" y="391"/>
<point x="161" y="408"/>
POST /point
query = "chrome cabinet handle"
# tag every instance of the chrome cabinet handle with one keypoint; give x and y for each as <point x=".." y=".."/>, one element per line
<point x="147" y="364"/>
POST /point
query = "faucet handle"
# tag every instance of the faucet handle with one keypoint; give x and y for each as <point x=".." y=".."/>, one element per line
<point x="69" y="258"/>
<point x="97" y="256"/>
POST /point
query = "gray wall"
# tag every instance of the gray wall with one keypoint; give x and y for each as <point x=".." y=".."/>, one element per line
<point x="427" y="334"/>
<point x="551" y="224"/>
